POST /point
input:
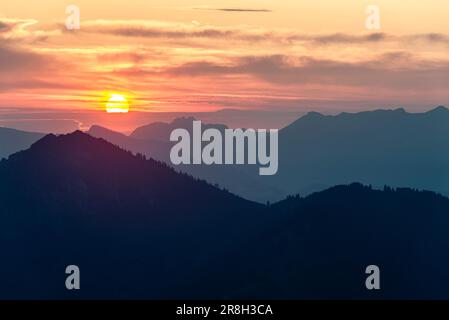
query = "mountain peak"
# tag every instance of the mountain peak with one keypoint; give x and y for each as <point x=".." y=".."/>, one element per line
<point x="313" y="115"/>
<point x="45" y="139"/>
<point x="399" y="110"/>
<point x="77" y="133"/>
<point x="439" y="109"/>
<point x="97" y="131"/>
<point x="66" y="141"/>
<point x="183" y="121"/>
<point x="96" y="127"/>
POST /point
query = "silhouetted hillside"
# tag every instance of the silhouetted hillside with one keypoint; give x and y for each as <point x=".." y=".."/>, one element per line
<point x="12" y="140"/>
<point x="156" y="149"/>
<point x="138" y="229"/>
<point x="379" y="147"/>
<point x="154" y="141"/>
<point x="77" y="198"/>
<point x="337" y="233"/>
<point x="161" y="131"/>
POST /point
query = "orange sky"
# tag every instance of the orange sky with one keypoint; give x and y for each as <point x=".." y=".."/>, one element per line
<point x="183" y="56"/>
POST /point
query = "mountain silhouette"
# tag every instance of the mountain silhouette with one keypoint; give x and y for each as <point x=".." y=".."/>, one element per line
<point x="154" y="148"/>
<point x="154" y="141"/>
<point x="138" y="229"/>
<point x="379" y="147"/>
<point x="12" y="140"/>
<point x="71" y="197"/>
<point x="317" y="151"/>
<point x="162" y="131"/>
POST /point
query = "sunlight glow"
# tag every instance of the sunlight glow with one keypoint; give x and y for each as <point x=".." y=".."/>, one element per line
<point x="117" y="103"/>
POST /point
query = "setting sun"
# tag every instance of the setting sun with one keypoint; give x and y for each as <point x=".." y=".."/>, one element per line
<point x="117" y="103"/>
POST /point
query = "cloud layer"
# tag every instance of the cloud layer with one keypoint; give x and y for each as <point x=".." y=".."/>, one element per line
<point x="178" y="66"/>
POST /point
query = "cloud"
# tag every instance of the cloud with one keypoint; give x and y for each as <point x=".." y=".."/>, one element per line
<point x="233" y="9"/>
<point x="436" y="38"/>
<point x="12" y="29"/>
<point x="3" y="26"/>
<point x="281" y="60"/>
<point x="31" y="84"/>
<point x="17" y="59"/>
<point x="394" y="71"/>
<point x="159" y="30"/>
<point x="376" y="37"/>
<point x="342" y="38"/>
<point x="30" y="31"/>
<point x="22" y="68"/>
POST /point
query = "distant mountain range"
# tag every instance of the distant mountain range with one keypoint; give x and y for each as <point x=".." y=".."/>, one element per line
<point x="162" y="131"/>
<point x="380" y="147"/>
<point x="12" y="140"/>
<point x="138" y="229"/>
<point x="154" y="141"/>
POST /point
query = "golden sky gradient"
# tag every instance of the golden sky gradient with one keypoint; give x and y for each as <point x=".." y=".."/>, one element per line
<point x="184" y="56"/>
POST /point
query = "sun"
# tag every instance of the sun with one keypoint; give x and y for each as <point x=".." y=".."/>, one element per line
<point x="117" y="103"/>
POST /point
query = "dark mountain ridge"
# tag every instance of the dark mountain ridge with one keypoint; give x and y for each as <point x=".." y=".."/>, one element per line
<point x="138" y="229"/>
<point x="379" y="147"/>
<point x="231" y="177"/>
<point x="392" y="147"/>
<point x="12" y="140"/>
<point x="74" y="197"/>
<point x="161" y="130"/>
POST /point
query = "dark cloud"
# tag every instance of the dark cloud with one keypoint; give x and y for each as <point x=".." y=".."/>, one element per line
<point x="24" y="69"/>
<point x="32" y="83"/>
<point x="15" y="59"/>
<point x="432" y="38"/>
<point x="228" y="34"/>
<point x="234" y="9"/>
<point x="342" y="38"/>
<point x="133" y="57"/>
<point x="163" y="33"/>
<point x="394" y="71"/>
<point x="3" y="26"/>
<point x="13" y="31"/>
<point x="233" y="34"/>
<point x="172" y="32"/>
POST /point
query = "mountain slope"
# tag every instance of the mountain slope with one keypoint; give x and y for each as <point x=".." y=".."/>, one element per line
<point x="338" y="232"/>
<point x="78" y="199"/>
<point x="154" y="141"/>
<point x="12" y="140"/>
<point x="154" y="148"/>
<point x="138" y="229"/>
<point x="380" y="147"/>
<point x="161" y="131"/>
